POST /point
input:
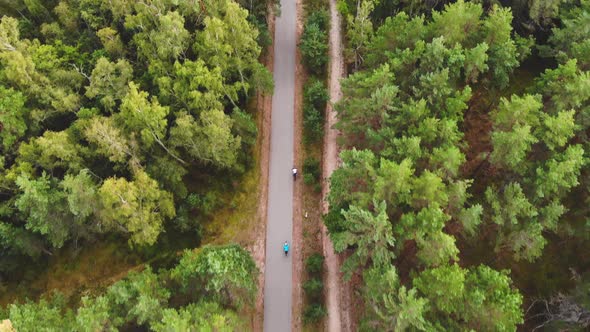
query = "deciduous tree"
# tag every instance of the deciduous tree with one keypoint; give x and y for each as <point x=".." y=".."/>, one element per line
<point x="137" y="207"/>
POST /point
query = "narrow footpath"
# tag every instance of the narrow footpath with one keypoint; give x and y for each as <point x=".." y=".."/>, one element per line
<point x="278" y="268"/>
<point x="338" y="312"/>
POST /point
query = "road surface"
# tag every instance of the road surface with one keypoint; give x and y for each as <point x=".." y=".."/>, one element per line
<point x="277" y="284"/>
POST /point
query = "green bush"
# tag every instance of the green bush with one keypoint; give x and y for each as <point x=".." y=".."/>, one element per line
<point x="314" y="42"/>
<point x="313" y="313"/>
<point x="315" y="97"/>
<point x="314" y="264"/>
<point x="312" y="6"/>
<point x="192" y="200"/>
<point x="308" y="179"/>
<point x="316" y="94"/>
<point x="313" y="288"/>
<point x="264" y="38"/>
<point x="317" y="187"/>
<point x="313" y="124"/>
<point x="334" y="221"/>
<point x="311" y="168"/>
<point x="208" y="202"/>
<point x="320" y="17"/>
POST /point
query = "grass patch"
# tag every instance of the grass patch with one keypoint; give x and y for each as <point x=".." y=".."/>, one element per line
<point x="70" y="271"/>
<point x="238" y="214"/>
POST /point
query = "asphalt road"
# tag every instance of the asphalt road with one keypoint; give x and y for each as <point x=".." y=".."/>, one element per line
<point x="278" y="274"/>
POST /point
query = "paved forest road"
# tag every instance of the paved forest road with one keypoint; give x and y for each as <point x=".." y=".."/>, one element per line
<point x="277" y="285"/>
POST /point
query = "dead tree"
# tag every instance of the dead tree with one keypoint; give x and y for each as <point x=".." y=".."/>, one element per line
<point x="560" y="309"/>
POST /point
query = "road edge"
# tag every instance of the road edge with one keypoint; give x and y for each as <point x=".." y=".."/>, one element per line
<point x="297" y="240"/>
<point x="264" y="104"/>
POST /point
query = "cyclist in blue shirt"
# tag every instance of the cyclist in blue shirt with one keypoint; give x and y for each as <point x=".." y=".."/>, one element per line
<point x="286" y="248"/>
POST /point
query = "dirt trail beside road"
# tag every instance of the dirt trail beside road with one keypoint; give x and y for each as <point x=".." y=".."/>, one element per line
<point x="337" y="297"/>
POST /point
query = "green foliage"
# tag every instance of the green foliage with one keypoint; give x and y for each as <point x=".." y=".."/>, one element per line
<point x="140" y="298"/>
<point x="371" y="235"/>
<point x="313" y="288"/>
<point x="314" y="42"/>
<point x="94" y="314"/>
<point x="203" y="316"/>
<point x="460" y="299"/>
<point x="81" y="194"/>
<point x="334" y="221"/>
<point x="457" y="22"/>
<point x="311" y="170"/>
<point x="45" y="315"/>
<point x="542" y="12"/>
<point x="359" y="32"/>
<point x="557" y="130"/>
<point x="12" y="118"/>
<point x="53" y="150"/>
<point x="314" y="264"/>
<point x="315" y="96"/>
<point x="503" y="53"/>
<point x="137" y="206"/>
<point x="569" y="40"/>
<point x="419" y="82"/>
<point x="109" y="81"/>
<point x="19" y="240"/>
<point x="45" y="208"/>
<point x="391" y="307"/>
<point x="314" y="313"/>
<point x="444" y="287"/>
<point x="512" y="136"/>
<point x="227" y="275"/>
<point x="229" y="42"/>
<point x="107" y="109"/>
<point x="313" y="124"/>
<point x="148" y="118"/>
<point x="209" y="141"/>
<point x="562" y="173"/>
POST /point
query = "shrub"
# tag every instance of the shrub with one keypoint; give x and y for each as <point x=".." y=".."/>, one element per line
<point x="192" y="200"/>
<point x="311" y="169"/>
<point x="313" y="124"/>
<point x="314" y="42"/>
<point x="312" y="6"/>
<point x="314" y="263"/>
<point x="313" y="288"/>
<point x="264" y="38"/>
<point x="308" y="179"/>
<point x="334" y="222"/>
<point x="206" y="203"/>
<point x="317" y="187"/>
<point x="319" y="17"/>
<point x="315" y="97"/>
<point x="313" y="313"/>
<point x="316" y="94"/>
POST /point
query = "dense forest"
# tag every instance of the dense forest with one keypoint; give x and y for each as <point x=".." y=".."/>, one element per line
<point x="462" y="198"/>
<point x="122" y="121"/>
<point x="461" y="202"/>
